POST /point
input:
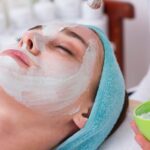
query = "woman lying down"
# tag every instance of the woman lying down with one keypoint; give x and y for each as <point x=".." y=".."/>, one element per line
<point x="61" y="88"/>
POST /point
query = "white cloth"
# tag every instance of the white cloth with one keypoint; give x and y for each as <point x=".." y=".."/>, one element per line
<point x="122" y="139"/>
<point x="142" y="92"/>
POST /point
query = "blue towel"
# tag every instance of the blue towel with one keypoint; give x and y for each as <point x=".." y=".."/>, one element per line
<point x="107" y="106"/>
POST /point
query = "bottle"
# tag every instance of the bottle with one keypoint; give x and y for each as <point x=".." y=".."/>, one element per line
<point x="20" y="13"/>
<point x="68" y="9"/>
<point x="44" y="10"/>
<point x="95" y="4"/>
<point x="89" y="13"/>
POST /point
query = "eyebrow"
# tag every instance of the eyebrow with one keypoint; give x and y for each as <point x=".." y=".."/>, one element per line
<point x="36" y="27"/>
<point x="74" y="35"/>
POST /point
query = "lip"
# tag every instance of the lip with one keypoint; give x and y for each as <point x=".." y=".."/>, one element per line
<point x="21" y="58"/>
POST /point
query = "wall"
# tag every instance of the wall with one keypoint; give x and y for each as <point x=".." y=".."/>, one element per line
<point x="137" y="43"/>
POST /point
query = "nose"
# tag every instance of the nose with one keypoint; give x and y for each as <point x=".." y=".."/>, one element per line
<point x="28" y="39"/>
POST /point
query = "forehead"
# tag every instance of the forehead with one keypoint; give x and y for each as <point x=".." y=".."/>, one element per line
<point x="88" y="35"/>
<point x="83" y="31"/>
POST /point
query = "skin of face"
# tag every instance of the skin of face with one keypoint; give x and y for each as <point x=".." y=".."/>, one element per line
<point x="64" y="124"/>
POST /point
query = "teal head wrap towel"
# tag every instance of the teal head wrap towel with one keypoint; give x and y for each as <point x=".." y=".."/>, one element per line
<point x="107" y="106"/>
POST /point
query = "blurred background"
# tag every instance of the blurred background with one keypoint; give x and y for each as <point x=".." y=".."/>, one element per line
<point x="16" y="16"/>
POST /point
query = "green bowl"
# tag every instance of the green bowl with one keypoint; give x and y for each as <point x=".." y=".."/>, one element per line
<point x="143" y="124"/>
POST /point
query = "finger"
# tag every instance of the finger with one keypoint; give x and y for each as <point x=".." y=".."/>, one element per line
<point x="134" y="127"/>
<point x="142" y="141"/>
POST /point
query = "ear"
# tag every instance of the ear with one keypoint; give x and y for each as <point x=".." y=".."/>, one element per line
<point x="80" y="120"/>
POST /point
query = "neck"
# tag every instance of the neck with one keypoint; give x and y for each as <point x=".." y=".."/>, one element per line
<point x="59" y="127"/>
<point x="41" y="131"/>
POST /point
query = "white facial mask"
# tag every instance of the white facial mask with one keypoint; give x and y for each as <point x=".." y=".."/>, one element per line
<point x="50" y="31"/>
<point x="46" y="93"/>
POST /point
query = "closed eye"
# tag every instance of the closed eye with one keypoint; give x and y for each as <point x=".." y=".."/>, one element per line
<point x="65" y="49"/>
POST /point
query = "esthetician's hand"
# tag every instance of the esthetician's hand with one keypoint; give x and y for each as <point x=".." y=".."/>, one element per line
<point x="20" y="127"/>
<point x="143" y="142"/>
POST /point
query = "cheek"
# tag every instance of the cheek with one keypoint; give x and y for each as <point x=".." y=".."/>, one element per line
<point x="55" y="65"/>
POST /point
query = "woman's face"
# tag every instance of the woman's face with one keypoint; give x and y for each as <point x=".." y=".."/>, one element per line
<point x="45" y="53"/>
<point x="56" y="53"/>
<point x="55" y="50"/>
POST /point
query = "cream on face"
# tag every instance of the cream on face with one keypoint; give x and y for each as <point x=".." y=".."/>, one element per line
<point x="45" y="43"/>
<point x="50" y="85"/>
